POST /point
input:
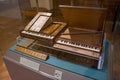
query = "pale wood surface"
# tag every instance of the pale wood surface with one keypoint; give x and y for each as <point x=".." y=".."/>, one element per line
<point x="31" y="52"/>
<point x="50" y="28"/>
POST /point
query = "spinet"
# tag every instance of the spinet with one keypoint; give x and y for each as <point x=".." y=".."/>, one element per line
<point x="42" y="28"/>
<point x="81" y="42"/>
<point x="85" y="32"/>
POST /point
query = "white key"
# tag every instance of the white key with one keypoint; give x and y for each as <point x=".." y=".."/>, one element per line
<point x="38" y="35"/>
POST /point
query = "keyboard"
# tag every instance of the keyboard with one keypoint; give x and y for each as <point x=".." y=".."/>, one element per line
<point x="39" y="35"/>
<point x="79" y="45"/>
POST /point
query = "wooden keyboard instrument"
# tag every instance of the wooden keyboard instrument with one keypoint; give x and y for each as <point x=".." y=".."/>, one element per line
<point x="80" y="41"/>
<point x="85" y="32"/>
<point x="43" y="29"/>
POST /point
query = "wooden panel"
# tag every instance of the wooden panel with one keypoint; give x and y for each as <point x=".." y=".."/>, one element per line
<point x="84" y="17"/>
<point x="87" y="2"/>
<point x="112" y="6"/>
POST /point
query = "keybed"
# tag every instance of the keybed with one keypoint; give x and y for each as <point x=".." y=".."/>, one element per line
<point x="78" y="51"/>
<point x="78" y="45"/>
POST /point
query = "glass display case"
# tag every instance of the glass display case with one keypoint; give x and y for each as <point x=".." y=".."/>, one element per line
<point x="10" y="9"/>
<point x="116" y="45"/>
<point x="29" y="8"/>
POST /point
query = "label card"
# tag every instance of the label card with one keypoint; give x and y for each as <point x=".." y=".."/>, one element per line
<point x="29" y="63"/>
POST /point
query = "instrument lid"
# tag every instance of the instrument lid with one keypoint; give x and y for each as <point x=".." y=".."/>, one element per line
<point x="84" y="17"/>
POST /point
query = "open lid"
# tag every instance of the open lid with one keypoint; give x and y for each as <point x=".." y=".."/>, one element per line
<point x="91" y="18"/>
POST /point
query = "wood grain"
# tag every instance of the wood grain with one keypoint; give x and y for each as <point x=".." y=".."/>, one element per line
<point x="84" y="17"/>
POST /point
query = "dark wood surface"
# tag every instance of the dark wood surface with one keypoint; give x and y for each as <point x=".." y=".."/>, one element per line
<point x="90" y="39"/>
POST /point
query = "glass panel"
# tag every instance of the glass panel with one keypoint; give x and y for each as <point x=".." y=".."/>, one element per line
<point x="9" y="8"/>
<point x="116" y="46"/>
<point x="29" y="8"/>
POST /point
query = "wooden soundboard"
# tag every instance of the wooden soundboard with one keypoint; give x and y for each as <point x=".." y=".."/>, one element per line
<point x="82" y="36"/>
<point x="92" y="18"/>
<point x="80" y="41"/>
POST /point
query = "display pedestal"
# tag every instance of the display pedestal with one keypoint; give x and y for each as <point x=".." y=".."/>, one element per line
<point x="24" y="67"/>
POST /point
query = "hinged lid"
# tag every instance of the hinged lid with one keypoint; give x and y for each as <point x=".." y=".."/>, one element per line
<point x="91" y="18"/>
